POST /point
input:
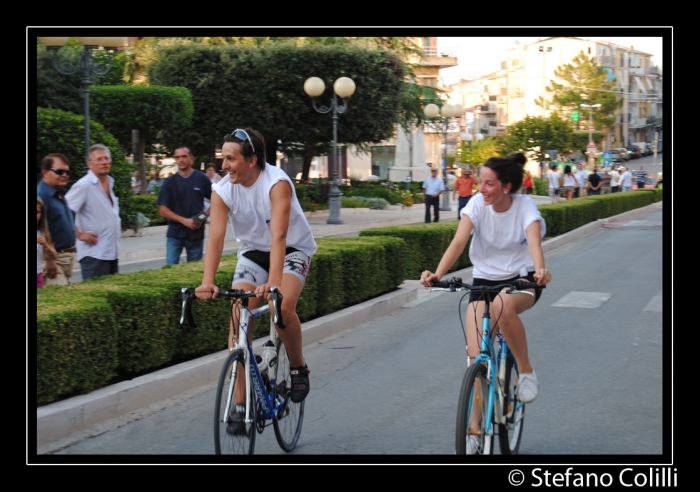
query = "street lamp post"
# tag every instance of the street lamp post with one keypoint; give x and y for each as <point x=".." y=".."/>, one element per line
<point x="343" y="87"/>
<point x="590" y="124"/>
<point x="448" y="112"/>
<point x="87" y="64"/>
<point x="545" y="50"/>
<point x="468" y="137"/>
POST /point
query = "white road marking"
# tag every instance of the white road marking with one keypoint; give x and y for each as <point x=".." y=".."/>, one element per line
<point x="583" y="299"/>
<point x="655" y="304"/>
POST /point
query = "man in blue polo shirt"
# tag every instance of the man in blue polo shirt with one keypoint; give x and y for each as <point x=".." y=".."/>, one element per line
<point x="54" y="178"/>
<point x="181" y="198"/>
<point x="433" y="187"/>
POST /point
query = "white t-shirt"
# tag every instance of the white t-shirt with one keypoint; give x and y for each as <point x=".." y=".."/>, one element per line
<point x="582" y="177"/>
<point x="499" y="247"/>
<point x="626" y="178"/>
<point x="250" y="210"/>
<point x="553" y="178"/>
<point x="614" y="178"/>
<point x="569" y="180"/>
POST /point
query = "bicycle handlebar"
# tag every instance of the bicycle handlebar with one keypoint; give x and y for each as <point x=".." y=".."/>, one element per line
<point x="455" y="284"/>
<point x="188" y="296"/>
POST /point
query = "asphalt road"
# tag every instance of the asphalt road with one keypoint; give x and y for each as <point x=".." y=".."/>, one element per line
<point x="386" y="391"/>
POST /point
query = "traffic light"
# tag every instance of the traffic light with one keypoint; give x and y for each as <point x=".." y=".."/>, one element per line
<point x="574" y="116"/>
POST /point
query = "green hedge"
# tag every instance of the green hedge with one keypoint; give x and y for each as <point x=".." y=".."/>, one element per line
<point x="146" y="204"/>
<point x="95" y="332"/>
<point x="76" y="347"/>
<point x="424" y="245"/>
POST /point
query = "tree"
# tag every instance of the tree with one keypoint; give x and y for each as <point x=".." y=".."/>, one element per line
<point x="241" y="86"/>
<point x="150" y="110"/>
<point x="584" y="81"/>
<point x="535" y="134"/>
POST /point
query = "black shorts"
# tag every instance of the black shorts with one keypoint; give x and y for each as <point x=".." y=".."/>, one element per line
<point x="477" y="296"/>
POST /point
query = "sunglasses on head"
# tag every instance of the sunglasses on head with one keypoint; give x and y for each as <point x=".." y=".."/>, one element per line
<point x="61" y="172"/>
<point x="242" y="135"/>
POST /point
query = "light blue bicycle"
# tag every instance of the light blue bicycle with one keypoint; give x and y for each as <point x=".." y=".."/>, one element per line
<point x="488" y="399"/>
<point x="267" y="382"/>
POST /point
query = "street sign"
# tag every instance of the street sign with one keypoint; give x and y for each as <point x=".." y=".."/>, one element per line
<point x="607" y="158"/>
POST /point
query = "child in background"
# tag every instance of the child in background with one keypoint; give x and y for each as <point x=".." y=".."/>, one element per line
<point x="44" y="246"/>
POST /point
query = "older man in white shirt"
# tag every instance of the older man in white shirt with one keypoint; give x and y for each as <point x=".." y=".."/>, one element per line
<point x="433" y="187"/>
<point x="97" y="222"/>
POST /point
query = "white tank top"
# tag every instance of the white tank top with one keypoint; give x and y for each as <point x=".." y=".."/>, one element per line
<point x="250" y="210"/>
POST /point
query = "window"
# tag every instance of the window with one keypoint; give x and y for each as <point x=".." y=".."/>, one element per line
<point x="589" y="50"/>
<point x="382" y="160"/>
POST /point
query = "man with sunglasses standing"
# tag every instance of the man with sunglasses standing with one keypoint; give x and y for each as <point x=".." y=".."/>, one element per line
<point x="181" y="201"/>
<point x="276" y="244"/>
<point x="97" y="223"/>
<point x="51" y="189"/>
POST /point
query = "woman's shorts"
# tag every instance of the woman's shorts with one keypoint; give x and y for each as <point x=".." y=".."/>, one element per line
<point x="478" y="296"/>
<point x="568" y="189"/>
<point x="253" y="267"/>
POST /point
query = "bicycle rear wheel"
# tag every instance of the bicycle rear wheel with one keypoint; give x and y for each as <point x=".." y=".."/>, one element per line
<point x="287" y="421"/>
<point x="509" y="434"/>
<point x="230" y="437"/>
<point x="471" y="413"/>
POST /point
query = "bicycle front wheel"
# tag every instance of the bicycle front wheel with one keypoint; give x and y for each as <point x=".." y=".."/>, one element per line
<point x="231" y="434"/>
<point x="509" y="434"/>
<point x="287" y="421"/>
<point x="472" y="436"/>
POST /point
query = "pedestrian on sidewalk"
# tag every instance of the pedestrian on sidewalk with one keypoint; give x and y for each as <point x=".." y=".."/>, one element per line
<point x="97" y="222"/>
<point x="55" y="170"/>
<point x="181" y="200"/>
<point x="595" y="182"/>
<point x="554" y="180"/>
<point x="433" y="187"/>
<point x="44" y="246"/>
<point x="464" y="187"/>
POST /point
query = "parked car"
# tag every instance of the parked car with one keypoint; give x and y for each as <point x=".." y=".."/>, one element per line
<point x="615" y="156"/>
<point x="648" y="183"/>
<point x="624" y="153"/>
<point x="635" y="153"/>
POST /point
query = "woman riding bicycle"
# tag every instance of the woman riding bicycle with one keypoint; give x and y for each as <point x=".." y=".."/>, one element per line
<point x="276" y="242"/>
<point x="508" y="230"/>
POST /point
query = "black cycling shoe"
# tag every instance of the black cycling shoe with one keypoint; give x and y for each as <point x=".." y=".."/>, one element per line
<point x="300" y="382"/>
<point x="236" y="421"/>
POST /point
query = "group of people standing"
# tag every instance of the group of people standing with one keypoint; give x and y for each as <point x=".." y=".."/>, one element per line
<point x="573" y="184"/>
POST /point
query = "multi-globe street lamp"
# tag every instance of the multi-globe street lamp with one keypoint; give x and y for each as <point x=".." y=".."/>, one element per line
<point x="343" y="88"/>
<point x="590" y="123"/>
<point x="450" y="113"/>
<point x="87" y="64"/>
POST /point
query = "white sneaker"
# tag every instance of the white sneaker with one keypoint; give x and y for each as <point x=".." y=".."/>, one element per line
<point x="472" y="444"/>
<point x="527" y="387"/>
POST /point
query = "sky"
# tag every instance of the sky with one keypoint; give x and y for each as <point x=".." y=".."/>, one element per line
<point x="478" y="56"/>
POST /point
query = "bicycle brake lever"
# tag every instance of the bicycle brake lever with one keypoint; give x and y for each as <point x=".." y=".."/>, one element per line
<point x="277" y="307"/>
<point x="187" y="298"/>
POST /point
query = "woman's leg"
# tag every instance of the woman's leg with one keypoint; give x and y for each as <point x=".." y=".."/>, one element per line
<point x="504" y="315"/>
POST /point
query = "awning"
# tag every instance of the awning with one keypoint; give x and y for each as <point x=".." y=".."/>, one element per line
<point x="657" y="122"/>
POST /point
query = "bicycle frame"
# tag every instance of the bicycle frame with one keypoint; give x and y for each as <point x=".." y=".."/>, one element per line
<point x="487" y="355"/>
<point x="253" y="372"/>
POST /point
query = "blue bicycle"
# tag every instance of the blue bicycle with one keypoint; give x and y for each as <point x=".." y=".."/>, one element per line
<point x="253" y="390"/>
<point x="488" y="399"/>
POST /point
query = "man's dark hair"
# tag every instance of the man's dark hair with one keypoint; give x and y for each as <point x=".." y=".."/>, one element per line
<point x="189" y="149"/>
<point x="246" y="149"/>
<point x="507" y="171"/>
<point x="47" y="162"/>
